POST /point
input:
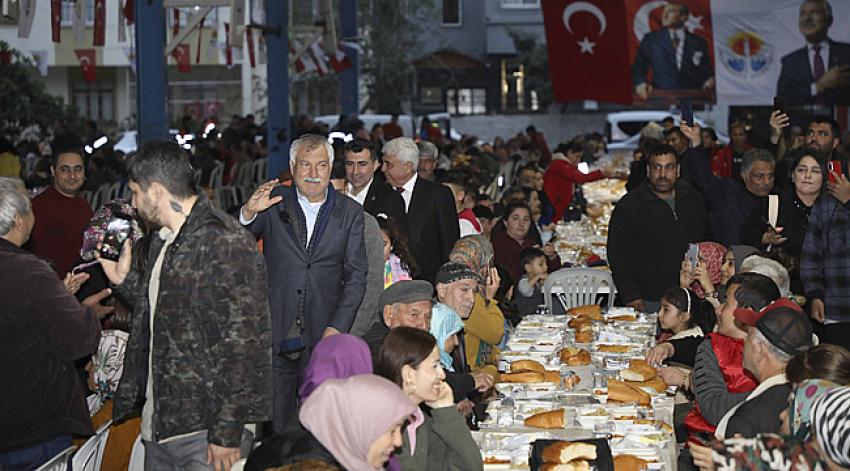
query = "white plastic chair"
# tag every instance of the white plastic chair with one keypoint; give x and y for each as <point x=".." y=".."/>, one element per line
<point x="580" y="286"/>
<point x="90" y="456"/>
<point x="258" y="170"/>
<point x="58" y="462"/>
<point x="216" y="175"/>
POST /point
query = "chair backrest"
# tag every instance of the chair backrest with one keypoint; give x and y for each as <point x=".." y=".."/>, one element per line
<point x="580" y="286"/>
<point x="90" y="456"/>
<point x="216" y="176"/>
<point x="58" y="462"/>
<point x="258" y="170"/>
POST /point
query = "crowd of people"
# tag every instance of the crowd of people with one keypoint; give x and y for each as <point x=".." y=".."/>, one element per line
<point x="355" y="307"/>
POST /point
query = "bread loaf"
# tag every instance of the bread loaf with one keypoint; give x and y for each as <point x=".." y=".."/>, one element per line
<point x="551" y="419"/>
<point x="551" y="376"/>
<point x="564" y="452"/>
<point x="577" y="465"/>
<point x="580" y="323"/>
<point x="589" y="311"/>
<point x="522" y="377"/>
<point x="527" y="365"/>
<point x="584" y="337"/>
<point x="624" y="392"/>
<point x="655" y="383"/>
<point x="573" y="357"/>
<point x="629" y="463"/>
<point x="613" y="348"/>
<point x="638" y="372"/>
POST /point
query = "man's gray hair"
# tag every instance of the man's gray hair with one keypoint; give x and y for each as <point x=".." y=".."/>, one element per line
<point x="405" y="150"/>
<point x="310" y="142"/>
<point x="427" y="149"/>
<point x="771" y="269"/>
<point x="827" y="8"/>
<point x="755" y="155"/>
<point x="776" y="353"/>
<point x="13" y="203"/>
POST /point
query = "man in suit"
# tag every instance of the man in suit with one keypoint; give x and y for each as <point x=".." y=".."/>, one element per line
<point x="376" y="197"/>
<point x="316" y="259"/>
<point x="679" y="60"/>
<point x="432" y="221"/>
<point x="820" y="70"/>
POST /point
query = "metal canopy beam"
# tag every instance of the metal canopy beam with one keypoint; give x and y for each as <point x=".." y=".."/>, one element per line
<point x="195" y="3"/>
<point x="151" y="78"/>
<point x="348" y="85"/>
<point x="277" y="123"/>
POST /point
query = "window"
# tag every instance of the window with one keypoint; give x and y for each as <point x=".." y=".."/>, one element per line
<point x="520" y="4"/>
<point x="186" y="13"/>
<point x="431" y="95"/>
<point x="68" y="12"/>
<point x="94" y="100"/>
<point x="452" y="14"/>
<point x="513" y="86"/>
<point x="466" y="100"/>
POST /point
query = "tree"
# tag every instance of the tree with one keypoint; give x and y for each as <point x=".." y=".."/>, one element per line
<point x="25" y="101"/>
<point x="389" y="45"/>
<point x="534" y="57"/>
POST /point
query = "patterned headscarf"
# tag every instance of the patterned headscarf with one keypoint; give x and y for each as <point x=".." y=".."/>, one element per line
<point x="830" y="416"/>
<point x="338" y="357"/>
<point x="711" y="257"/>
<point x="804" y="396"/>
<point x="474" y="251"/>
<point x="445" y="322"/>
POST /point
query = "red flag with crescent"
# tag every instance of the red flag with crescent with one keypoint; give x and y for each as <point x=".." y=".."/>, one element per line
<point x="56" y="19"/>
<point x="183" y="56"/>
<point x="87" y="63"/>
<point x="588" y="50"/>
<point x="129" y="12"/>
<point x="99" y="22"/>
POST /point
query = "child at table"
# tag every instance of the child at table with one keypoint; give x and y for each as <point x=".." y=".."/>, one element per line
<point x="684" y="314"/>
<point x="528" y="294"/>
<point x="399" y="264"/>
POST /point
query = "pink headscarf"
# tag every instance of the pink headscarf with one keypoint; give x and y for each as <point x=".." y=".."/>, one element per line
<point x="711" y="257"/>
<point x="347" y="415"/>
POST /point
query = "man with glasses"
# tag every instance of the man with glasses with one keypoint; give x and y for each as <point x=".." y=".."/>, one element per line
<point x="61" y="214"/>
<point x="650" y="230"/>
<point x="376" y="197"/>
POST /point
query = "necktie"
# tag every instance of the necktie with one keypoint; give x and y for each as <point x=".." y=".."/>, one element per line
<point x="675" y="42"/>
<point x="818" y="64"/>
<point x="399" y="189"/>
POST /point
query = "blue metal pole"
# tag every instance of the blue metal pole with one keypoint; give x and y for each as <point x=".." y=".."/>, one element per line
<point x="151" y="77"/>
<point x="277" y="124"/>
<point x="348" y="78"/>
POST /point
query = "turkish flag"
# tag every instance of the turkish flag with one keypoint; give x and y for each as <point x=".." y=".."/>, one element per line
<point x="56" y="19"/>
<point x="99" y="22"/>
<point x="250" y="37"/>
<point x="228" y="52"/>
<point x="183" y="56"/>
<point x="87" y="63"/>
<point x="175" y="28"/>
<point x="129" y="13"/>
<point x="588" y="50"/>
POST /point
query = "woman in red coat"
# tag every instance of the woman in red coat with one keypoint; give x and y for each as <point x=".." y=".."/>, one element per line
<point x="563" y="175"/>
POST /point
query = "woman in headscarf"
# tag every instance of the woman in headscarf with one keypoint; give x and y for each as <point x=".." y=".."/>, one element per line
<point x="445" y="326"/>
<point x="358" y="420"/>
<point x="485" y="326"/>
<point x="335" y="357"/>
<point x="704" y="279"/>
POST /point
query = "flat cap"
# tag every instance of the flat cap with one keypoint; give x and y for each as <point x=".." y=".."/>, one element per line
<point x="406" y="292"/>
<point x="451" y="272"/>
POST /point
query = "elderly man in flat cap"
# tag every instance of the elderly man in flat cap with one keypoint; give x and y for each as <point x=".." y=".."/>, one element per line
<point x="406" y="303"/>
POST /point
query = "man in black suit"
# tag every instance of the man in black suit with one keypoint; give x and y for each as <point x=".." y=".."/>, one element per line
<point x="432" y="221"/>
<point x="679" y="60"/>
<point x="376" y="197"/>
<point x="820" y="71"/>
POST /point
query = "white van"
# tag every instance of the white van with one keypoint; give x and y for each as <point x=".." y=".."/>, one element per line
<point x="407" y="123"/>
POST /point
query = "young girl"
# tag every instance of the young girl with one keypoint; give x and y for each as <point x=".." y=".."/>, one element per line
<point x="399" y="263"/>
<point x="684" y="314"/>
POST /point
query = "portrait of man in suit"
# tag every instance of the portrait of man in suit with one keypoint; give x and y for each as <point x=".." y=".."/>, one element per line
<point x="364" y="185"/>
<point x="432" y="223"/>
<point x="678" y="59"/>
<point x="820" y="70"/>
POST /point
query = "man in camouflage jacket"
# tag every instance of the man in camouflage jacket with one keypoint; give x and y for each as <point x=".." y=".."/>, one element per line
<point x="204" y="283"/>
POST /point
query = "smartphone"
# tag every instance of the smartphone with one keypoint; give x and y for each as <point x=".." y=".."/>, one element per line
<point x="118" y="230"/>
<point x="692" y="255"/>
<point x="687" y="111"/>
<point x="779" y="104"/>
<point x="834" y="166"/>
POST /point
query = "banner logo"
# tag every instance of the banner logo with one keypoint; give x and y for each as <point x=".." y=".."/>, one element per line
<point x="746" y="54"/>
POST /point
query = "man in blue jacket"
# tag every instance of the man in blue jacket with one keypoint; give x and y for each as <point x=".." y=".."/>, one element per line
<point x="316" y="258"/>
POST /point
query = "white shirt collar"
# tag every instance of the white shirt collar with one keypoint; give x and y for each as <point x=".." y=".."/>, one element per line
<point x="408" y="187"/>
<point x="303" y="199"/>
<point x="359" y="197"/>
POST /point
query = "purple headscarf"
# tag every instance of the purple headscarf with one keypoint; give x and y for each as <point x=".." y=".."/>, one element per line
<point x="335" y="357"/>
